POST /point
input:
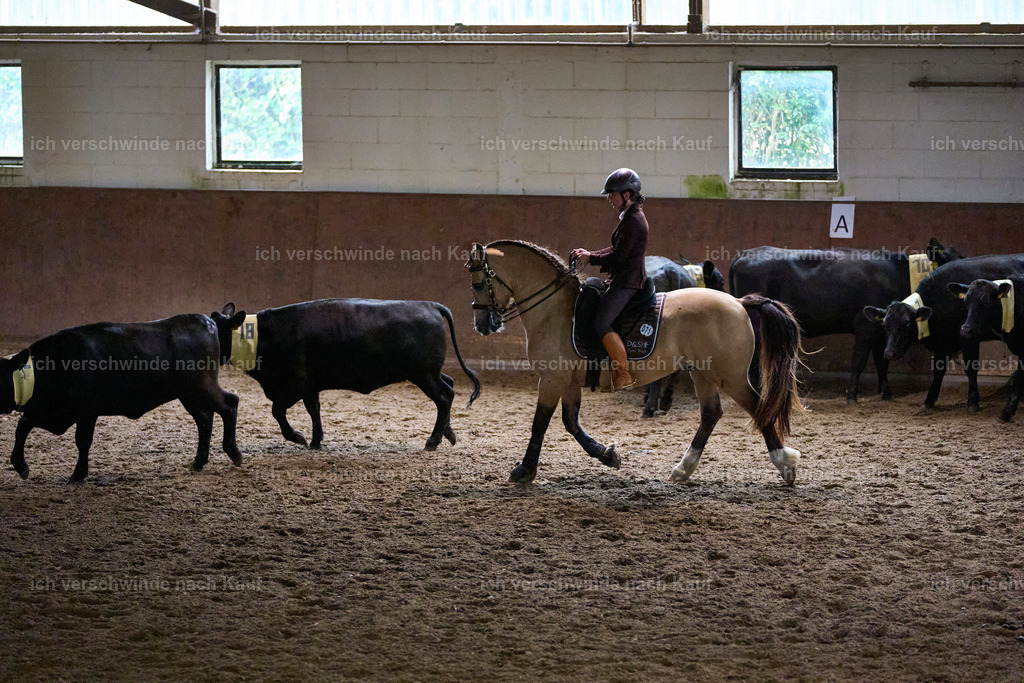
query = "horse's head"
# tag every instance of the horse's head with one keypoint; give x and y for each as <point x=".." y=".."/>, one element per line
<point x="491" y="296"/>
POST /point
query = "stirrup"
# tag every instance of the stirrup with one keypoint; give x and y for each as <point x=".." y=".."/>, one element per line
<point x="624" y="387"/>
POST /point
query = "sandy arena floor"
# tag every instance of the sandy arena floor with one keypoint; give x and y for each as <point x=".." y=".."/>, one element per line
<point x="897" y="556"/>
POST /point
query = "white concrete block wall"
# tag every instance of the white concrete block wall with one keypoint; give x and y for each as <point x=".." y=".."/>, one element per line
<point x="519" y="119"/>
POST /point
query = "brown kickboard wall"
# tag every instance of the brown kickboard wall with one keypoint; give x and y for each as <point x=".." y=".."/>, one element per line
<point x="78" y="255"/>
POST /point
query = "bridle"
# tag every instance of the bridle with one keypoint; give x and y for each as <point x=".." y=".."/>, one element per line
<point x="513" y="311"/>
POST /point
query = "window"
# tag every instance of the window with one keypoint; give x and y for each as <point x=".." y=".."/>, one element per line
<point x="423" y="12"/>
<point x="56" y="13"/>
<point x="257" y="116"/>
<point x="786" y="123"/>
<point x="12" y="136"/>
<point x="864" y="12"/>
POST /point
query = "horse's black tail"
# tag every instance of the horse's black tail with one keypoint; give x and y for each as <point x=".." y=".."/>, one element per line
<point x="455" y="345"/>
<point x="778" y="336"/>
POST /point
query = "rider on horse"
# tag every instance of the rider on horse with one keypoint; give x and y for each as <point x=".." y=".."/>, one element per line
<point x="624" y="263"/>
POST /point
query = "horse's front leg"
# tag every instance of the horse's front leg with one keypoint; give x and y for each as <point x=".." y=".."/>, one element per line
<point x="548" y="393"/>
<point x="571" y="399"/>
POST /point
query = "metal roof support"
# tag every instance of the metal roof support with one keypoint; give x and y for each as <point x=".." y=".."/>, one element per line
<point x="695" y="20"/>
<point x="203" y="17"/>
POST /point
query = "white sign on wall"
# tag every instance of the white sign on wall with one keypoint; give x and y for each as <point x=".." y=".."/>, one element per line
<point x="840" y="224"/>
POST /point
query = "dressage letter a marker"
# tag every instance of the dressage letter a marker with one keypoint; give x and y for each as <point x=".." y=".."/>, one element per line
<point x="841" y="222"/>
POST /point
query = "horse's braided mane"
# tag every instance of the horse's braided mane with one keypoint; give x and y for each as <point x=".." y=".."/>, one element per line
<point x="561" y="266"/>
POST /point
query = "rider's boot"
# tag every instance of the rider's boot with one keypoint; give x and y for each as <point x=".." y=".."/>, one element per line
<point x="617" y="353"/>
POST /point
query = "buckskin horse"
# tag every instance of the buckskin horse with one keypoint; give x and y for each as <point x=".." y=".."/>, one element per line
<point x="710" y="333"/>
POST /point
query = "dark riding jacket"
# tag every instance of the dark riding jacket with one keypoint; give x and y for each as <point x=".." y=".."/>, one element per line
<point x="624" y="260"/>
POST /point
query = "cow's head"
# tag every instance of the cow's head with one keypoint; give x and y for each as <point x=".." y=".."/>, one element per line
<point x="984" y="310"/>
<point x="491" y="298"/>
<point x="900" y="323"/>
<point x="940" y="254"/>
<point x="713" y="278"/>
<point x="8" y="366"/>
<point x="227" y="319"/>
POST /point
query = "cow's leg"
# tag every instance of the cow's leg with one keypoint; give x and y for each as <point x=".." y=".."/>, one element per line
<point x="571" y="399"/>
<point x="312" y="403"/>
<point x="279" y="410"/>
<point x="441" y="393"/>
<point x="83" y="440"/>
<point x="972" y="356"/>
<point x="882" y="369"/>
<point x="940" y="361"/>
<point x="1016" y="383"/>
<point x="449" y="433"/>
<point x="228" y="411"/>
<point x="864" y="339"/>
<point x="202" y="405"/>
<point x="668" y="392"/>
<point x="18" y="454"/>
<point x="710" y="412"/>
<point x="548" y="393"/>
<point x="204" y="424"/>
<point x="650" y="399"/>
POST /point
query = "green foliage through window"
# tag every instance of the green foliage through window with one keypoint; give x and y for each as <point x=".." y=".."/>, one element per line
<point x="787" y="120"/>
<point x="259" y="113"/>
<point x="11" y="130"/>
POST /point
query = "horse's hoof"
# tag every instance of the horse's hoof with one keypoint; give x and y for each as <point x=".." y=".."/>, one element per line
<point x="610" y="458"/>
<point x="851" y="401"/>
<point x="235" y="455"/>
<point x="665" y="406"/>
<point x="449" y="434"/>
<point x="22" y="472"/>
<point x="973" y="409"/>
<point x="430" y="446"/>
<point x="1004" y="418"/>
<point x="785" y="459"/>
<point x="789" y="475"/>
<point x="687" y="465"/>
<point x="647" y="413"/>
<point x="196" y="466"/>
<point x="297" y="438"/>
<point x="76" y="478"/>
<point x="522" y="475"/>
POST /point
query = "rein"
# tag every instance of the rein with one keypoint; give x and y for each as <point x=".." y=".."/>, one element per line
<point x="515" y="310"/>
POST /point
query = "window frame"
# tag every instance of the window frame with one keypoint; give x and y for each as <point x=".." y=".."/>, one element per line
<point x="742" y="172"/>
<point x="217" y="162"/>
<point x="16" y="162"/>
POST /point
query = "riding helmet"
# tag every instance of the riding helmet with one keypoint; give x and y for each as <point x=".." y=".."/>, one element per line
<point x="622" y="180"/>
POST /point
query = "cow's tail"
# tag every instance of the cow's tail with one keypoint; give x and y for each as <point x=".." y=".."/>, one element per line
<point x="455" y="345"/>
<point x="778" y="336"/>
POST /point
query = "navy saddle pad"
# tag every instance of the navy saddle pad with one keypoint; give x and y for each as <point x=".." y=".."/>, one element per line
<point x="637" y="325"/>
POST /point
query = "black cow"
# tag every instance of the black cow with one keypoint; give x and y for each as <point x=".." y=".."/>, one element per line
<point x="945" y="314"/>
<point x="985" y="301"/>
<point x="827" y="290"/>
<point x="125" y="369"/>
<point x="354" y="344"/>
<point x="669" y="275"/>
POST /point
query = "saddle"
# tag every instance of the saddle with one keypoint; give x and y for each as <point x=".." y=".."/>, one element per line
<point x="637" y="324"/>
